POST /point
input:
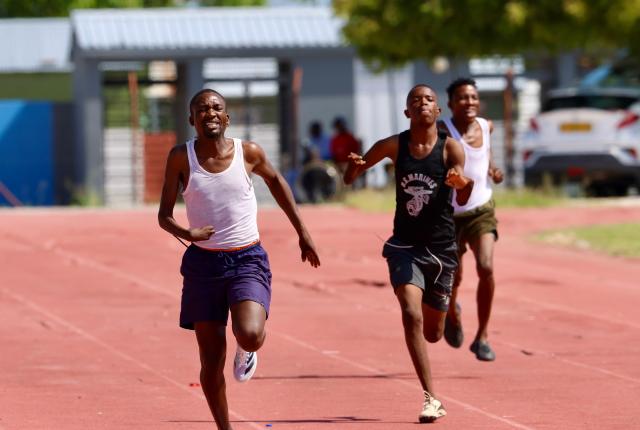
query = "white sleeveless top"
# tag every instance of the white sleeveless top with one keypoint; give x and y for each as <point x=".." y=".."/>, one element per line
<point x="224" y="200"/>
<point x="476" y="166"/>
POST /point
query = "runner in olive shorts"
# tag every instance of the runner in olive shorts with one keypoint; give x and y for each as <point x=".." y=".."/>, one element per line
<point x="475" y="221"/>
<point x="470" y="225"/>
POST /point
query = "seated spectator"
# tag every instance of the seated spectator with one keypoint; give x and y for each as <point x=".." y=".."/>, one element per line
<point x="342" y="144"/>
<point x="319" y="141"/>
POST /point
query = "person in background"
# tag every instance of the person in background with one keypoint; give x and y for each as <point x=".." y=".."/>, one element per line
<point x="476" y="223"/>
<point x="319" y="141"/>
<point x="343" y="143"/>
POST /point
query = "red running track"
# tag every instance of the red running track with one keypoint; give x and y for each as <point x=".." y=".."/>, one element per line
<point x="90" y="302"/>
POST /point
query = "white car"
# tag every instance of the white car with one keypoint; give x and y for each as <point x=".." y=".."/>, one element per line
<point x="590" y="136"/>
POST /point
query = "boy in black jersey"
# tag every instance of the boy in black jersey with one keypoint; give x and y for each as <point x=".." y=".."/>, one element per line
<point x="422" y="253"/>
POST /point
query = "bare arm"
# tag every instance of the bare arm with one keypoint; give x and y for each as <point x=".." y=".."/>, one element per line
<point x="454" y="159"/>
<point x="172" y="178"/>
<point x="385" y="148"/>
<point x="495" y="173"/>
<point x="257" y="162"/>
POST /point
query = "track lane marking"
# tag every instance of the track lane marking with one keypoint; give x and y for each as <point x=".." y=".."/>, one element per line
<point x="568" y="361"/>
<point x="152" y="287"/>
<point x="114" y="351"/>
<point x="91" y="263"/>
<point x="378" y="372"/>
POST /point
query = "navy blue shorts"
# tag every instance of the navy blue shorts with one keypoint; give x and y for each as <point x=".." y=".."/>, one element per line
<point x="216" y="280"/>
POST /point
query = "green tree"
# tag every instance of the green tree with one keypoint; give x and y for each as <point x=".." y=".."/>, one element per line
<point x="18" y="8"/>
<point x="45" y="8"/>
<point x="232" y="2"/>
<point x="390" y="33"/>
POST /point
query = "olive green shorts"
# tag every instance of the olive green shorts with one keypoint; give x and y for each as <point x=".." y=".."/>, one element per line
<point x="472" y="224"/>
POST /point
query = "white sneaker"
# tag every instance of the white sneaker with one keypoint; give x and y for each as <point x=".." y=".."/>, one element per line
<point x="244" y="365"/>
<point x="431" y="409"/>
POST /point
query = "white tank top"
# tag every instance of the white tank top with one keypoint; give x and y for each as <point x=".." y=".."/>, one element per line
<point x="224" y="200"/>
<point x="476" y="166"/>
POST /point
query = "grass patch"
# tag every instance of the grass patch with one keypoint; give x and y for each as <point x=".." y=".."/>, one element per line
<point x="384" y="200"/>
<point x="613" y="239"/>
<point x="529" y="198"/>
<point x="371" y="199"/>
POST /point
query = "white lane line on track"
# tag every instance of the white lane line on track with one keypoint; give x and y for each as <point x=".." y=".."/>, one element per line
<point x="538" y="303"/>
<point x="137" y="281"/>
<point x="147" y="285"/>
<point x="171" y="293"/>
<point x="568" y="310"/>
<point x="375" y="371"/>
<point x="89" y="337"/>
<point x="568" y="361"/>
<point x="546" y="305"/>
<point x="152" y="287"/>
<point x="113" y="271"/>
<point x="536" y="266"/>
<point x="94" y="264"/>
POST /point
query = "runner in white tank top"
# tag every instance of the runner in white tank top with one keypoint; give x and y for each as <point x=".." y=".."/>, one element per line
<point x="227" y="271"/>
<point x="224" y="200"/>
<point x="475" y="221"/>
<point x="476" y="165"/>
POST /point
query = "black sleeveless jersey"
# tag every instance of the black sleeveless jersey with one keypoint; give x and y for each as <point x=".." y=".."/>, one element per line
<point x="424" y="215"/>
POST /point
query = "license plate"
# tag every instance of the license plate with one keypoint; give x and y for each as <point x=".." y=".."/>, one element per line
<point x="573" y="127"/>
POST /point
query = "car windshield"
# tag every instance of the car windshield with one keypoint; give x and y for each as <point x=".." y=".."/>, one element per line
<point x="606" y="102"/>
<point x="622" y="73"/>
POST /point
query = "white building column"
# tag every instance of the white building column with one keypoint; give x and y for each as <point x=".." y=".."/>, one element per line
<point x="88" y="118"/>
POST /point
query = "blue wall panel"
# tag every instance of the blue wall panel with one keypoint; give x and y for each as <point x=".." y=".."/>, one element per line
<point x="26" y="151"/>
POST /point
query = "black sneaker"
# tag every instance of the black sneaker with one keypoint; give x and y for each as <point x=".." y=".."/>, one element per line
<point x="482" y="350"/>
<point x="453" y="333"/>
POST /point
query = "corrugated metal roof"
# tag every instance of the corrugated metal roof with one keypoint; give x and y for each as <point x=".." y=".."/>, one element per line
<point x="206" y="28"/>
<point x="35" y="45"/>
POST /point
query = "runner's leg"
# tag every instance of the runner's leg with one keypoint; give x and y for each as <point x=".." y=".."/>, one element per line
<point x="213" y="346"/>
<point x="483" y="252"/>
<point x="248" y="320"/>
<point x="453" y="315"/>
<point x="433" y="323"/>
<point x="410" y="300"/>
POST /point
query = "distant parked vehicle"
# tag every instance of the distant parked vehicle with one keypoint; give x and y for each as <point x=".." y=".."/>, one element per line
<point x="586" y="135"/>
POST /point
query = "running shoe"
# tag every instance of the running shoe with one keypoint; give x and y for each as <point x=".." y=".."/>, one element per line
<point x="432" y="409"/>
<point x="482" y="350"/>
<point x="244" y="364"/>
